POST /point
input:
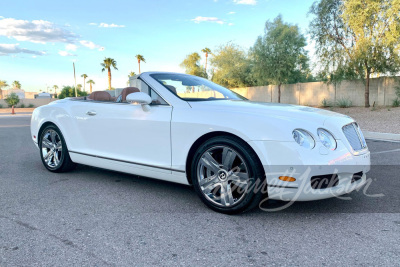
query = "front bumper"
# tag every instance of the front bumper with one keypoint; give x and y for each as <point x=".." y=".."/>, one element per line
<point x="289" y="159"/>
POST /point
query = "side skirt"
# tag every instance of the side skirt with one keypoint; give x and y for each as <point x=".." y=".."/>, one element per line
<point x="130" y="167"/>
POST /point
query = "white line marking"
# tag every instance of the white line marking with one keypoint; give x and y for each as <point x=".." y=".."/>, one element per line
<point x="383" y="140"/>
<point x="12" y="126"/>
<point x="387" y="151"/>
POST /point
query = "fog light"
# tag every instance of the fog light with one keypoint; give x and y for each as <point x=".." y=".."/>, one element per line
<point x="287" y="178"/>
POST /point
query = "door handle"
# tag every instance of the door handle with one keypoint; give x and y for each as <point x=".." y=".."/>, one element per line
<point x="91" y="113"/>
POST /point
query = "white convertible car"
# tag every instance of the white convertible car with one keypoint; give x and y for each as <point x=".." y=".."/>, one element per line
<point x="185" y="129"/>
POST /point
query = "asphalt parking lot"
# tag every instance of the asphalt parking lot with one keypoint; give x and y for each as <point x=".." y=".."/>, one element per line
<point x="96" y="217"/>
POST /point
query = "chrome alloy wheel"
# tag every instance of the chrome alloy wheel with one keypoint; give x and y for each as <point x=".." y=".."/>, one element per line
<point x="51" y="148"/>
<point x="223" y="176"/>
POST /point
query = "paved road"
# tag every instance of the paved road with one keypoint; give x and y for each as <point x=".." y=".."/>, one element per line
<point x="96" y="217"/>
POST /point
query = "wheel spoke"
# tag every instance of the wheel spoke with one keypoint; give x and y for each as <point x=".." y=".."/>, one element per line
<point x="210" y="162"/>
<point x="53" y="135"/>
<point x="47" y="143"/>
<point x="210" y="188"/>
<point x="228" y="156"/>
<point x="240" y="177"/>
<point x="209" y="180"/>
<point x="46" y="157"/>
<point x="59" y="146"/>
<point x="49" y="157"/>
<point x="56" y="159"/>
<point x="240" y="180"/>
<point x="226" y="194"/>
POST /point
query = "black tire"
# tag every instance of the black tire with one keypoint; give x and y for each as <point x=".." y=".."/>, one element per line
<point x="255" y="172"/>
<point x="65" y="163"/>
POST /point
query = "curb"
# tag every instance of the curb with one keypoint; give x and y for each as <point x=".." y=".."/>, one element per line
<point x="381" y="136"/>
<point x="15" y="115"/>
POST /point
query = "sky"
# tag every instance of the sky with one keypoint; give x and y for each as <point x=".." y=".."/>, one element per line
<point x="40" y="40"/>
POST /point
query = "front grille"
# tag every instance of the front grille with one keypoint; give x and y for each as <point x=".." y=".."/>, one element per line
<point x="324" y="181"/>
<point x="354" y="136"/>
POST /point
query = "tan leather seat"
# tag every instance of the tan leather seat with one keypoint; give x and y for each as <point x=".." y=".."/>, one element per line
<point x="172" y="89"/>
<point x="126" y="92"/>
<point x="100" y="96"/>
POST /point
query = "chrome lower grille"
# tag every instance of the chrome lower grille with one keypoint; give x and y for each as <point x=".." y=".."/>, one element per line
<point x="355" y="137"/>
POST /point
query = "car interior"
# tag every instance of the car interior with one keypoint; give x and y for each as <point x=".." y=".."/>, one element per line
<point x="104" y="96"/>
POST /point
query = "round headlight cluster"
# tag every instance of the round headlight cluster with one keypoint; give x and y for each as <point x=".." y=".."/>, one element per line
<point x="303" y="138"/>
<point x="306" y="140"/>
<point x="327" y="139"/>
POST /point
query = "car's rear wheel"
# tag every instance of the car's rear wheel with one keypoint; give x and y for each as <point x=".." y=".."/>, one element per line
<point x="53" y="150"/>
<point x="227" y="175"/>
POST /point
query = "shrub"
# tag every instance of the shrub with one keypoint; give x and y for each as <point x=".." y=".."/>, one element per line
<point x="31" y="105"/>
<point x="396" y="103"/>
<point x="69" y="91"/>
<point x="22" y="106"/>
<point x="12" y="99"/>
<point x="1" y="106"/>
<point x="397" y="91"/>
<point x="343" y="103"/>
<point x="326" y="103"/>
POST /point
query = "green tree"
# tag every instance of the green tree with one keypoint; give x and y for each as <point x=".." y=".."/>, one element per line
<point x="16" y="84"/>
<point x="232" y="66"/>
<point x="12" y="99"/>
<point x="357" y="38"/>
<point x="79" y="86"/>
<point x="139" y="59"/>
<point x="206" y="51"/>
<point x="279" y="55"/>
<point x="84" y="80"/>
<point x="107" y="64"/>
<point x="69" y="91"/>
<point x="3" y="84"/>
<point x="55" y="90"/>
<point x="191" y="64"/>
<point x="91" y="82"/>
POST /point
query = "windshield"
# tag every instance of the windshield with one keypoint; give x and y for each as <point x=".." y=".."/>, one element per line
<point x="193" y="88"/>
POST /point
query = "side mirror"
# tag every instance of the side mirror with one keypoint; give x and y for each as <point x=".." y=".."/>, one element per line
<point x="140" y="98"/>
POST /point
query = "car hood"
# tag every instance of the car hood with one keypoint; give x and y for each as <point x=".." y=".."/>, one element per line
<point x="282" y="111"/>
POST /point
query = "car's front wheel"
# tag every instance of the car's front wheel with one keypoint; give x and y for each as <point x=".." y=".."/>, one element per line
<point x="53" y="150"/>
<point x="227" y="175"/>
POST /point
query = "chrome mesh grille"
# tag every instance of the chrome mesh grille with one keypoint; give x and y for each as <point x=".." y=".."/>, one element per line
<point x="354" y="136"/>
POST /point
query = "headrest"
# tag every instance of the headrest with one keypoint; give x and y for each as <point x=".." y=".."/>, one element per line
<point x="100" y="96"/>
<point x="127" y="91"/>
<point x="171" y="88"/>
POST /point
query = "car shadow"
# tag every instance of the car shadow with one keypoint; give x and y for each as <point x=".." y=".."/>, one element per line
<point x="173" y="197"/>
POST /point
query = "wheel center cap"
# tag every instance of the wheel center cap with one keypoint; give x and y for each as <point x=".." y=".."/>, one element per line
<point x="222" y="175"/>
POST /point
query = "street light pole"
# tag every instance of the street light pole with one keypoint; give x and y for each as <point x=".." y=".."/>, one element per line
<point x="76" y="93"/>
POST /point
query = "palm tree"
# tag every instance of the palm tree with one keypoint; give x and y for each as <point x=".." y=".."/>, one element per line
<point x="140" y="58"/>
<point x="91" y="82"/>
<point x="131" y="74"/>
<point x="206" y="51"/>
<point x="16" y="84"/>
<point x="84" y="79"/>
<point x="2" y="85"/>
<point x="107" y="64"/>
<point x="55" y="89"/>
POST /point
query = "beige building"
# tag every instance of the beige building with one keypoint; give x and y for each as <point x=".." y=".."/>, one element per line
<point x="20" y="92"/>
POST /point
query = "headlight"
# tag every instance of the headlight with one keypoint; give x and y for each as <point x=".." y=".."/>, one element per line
<point x="303" y="138"/>
<point x="327" y="139"/>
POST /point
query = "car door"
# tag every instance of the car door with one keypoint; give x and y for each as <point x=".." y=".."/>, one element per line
<point x="126" y="133"/>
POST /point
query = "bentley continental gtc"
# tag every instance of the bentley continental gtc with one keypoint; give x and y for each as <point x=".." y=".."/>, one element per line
<point x="189" y="130"/>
